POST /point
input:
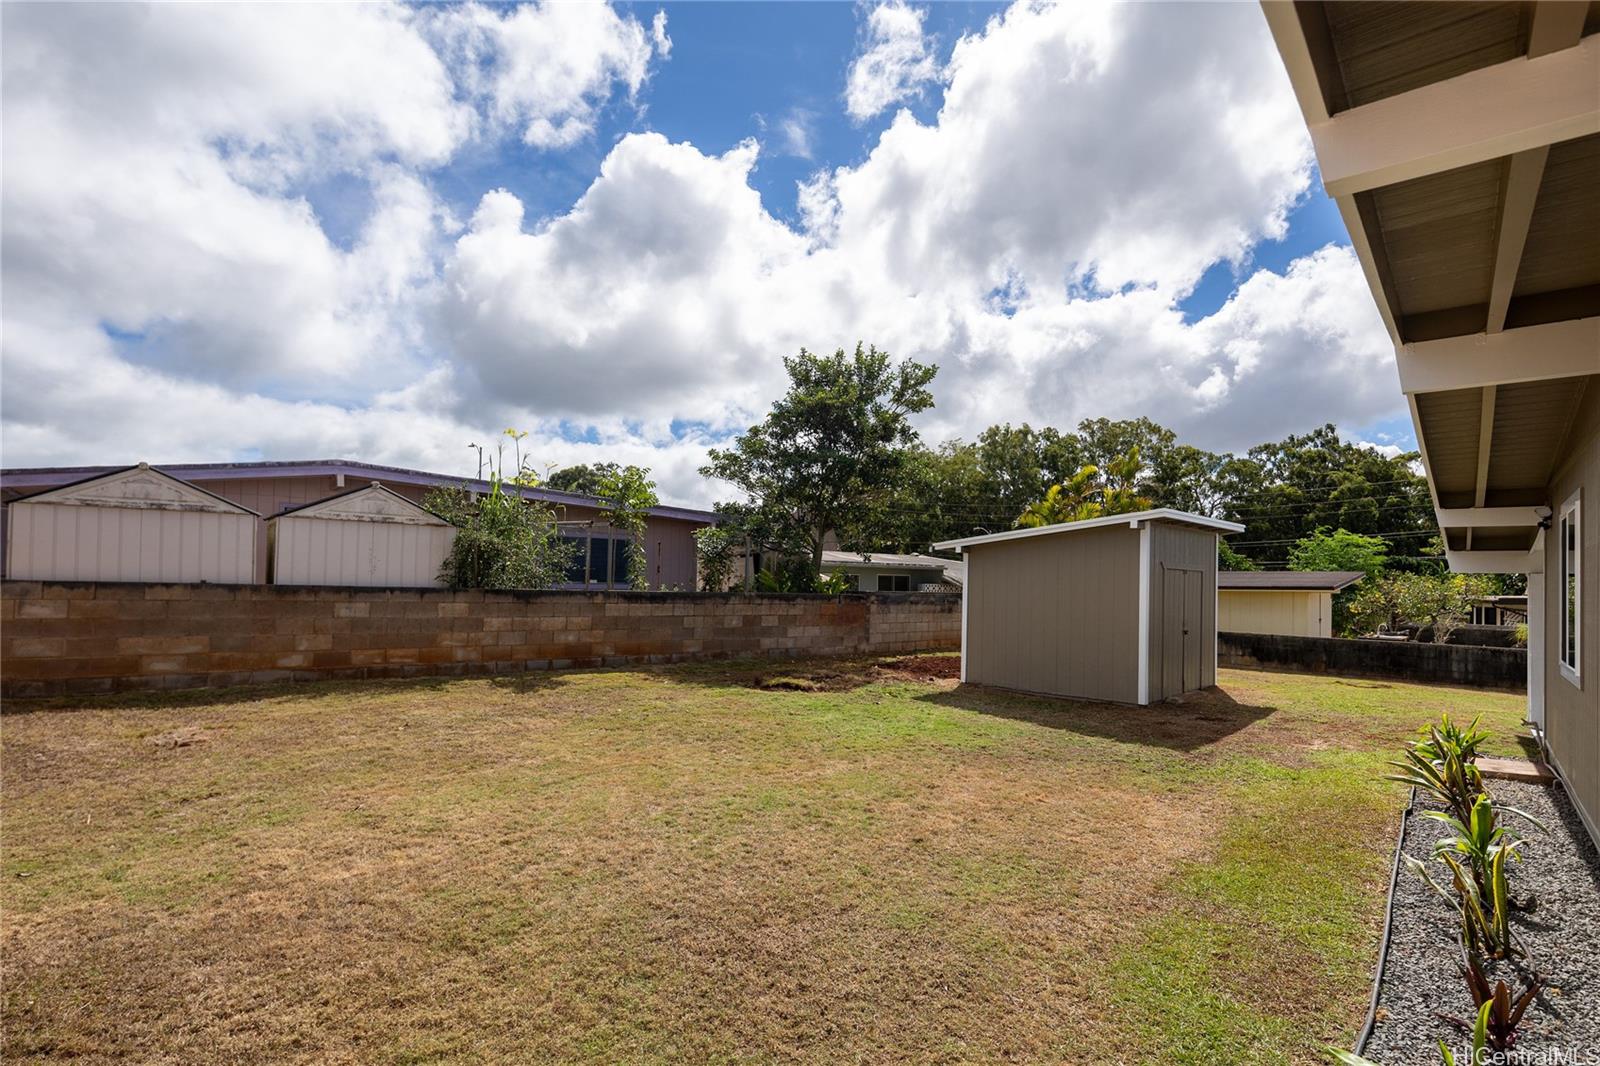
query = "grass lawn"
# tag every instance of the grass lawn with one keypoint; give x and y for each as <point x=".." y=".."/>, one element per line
<point x="695" y="863"/>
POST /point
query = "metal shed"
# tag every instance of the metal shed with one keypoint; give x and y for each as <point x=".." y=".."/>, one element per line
<point x="135" y="524"/>
<point x="1122" y="608"/>
<point x="369" y="536"/>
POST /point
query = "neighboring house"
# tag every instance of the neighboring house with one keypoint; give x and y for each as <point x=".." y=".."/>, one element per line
<point x="272" y="488"/>
<point x="1461" y="143"/>
<point x="1121" y="608"/>
<point x="1500" y="610"/>
<point x="1292" y="603"/>
<point x="890" y="572"/>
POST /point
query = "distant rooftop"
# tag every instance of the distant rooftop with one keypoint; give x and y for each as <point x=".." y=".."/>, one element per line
<point x="1302" y="580"/>
<point x="28" y="479"/>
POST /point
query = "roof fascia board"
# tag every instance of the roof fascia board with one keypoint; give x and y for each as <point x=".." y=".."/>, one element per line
<point x="1133" y="519"/>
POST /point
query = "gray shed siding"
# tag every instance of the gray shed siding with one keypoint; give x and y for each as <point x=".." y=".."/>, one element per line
<point x="1056" y="614"/>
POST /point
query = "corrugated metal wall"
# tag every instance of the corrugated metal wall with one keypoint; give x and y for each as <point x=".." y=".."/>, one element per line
<point x="1286" y="612"/>
<point x="1056" y="614"/>
<point x="69" y="542"/>
<point x="1183" y="596"/>
<point x="342" y="551"/>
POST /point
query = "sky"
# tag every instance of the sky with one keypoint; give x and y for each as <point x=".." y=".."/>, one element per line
<point x="385" y="232"/>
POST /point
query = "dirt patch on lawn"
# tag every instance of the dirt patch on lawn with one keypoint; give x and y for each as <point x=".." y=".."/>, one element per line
<point x="925" y="667"/>
<point x="848" y="676"/>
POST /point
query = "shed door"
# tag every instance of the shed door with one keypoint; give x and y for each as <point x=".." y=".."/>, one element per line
<point x="1181" y="619"/>
<point x="1194" y="587"/>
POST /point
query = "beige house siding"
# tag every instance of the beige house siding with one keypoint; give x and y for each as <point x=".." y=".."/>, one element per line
<point x="1289" y="612"/>
<point x="1056" y="614"/>
<point x="1183" y="609"/>
<point x="1572" y="711"/>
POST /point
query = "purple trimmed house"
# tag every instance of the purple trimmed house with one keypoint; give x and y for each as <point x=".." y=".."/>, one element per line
<point x="269" y="489"/>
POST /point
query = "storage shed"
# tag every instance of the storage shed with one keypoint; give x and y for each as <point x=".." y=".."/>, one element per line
<point x="369" y="536"/>
<point x="1292" y="603"/>
<point x="135" y="524"/>
<point x="1122" y="608"/>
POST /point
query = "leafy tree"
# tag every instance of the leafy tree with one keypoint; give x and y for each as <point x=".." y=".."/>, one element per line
<point x="627" y="494"/>
<point x="502" y="540"/>
<point x="716" y="547"/>
<point x="1286" y="490"/>
<point x="1229" y="559"/>
<point x="1073" y="500"/>
<point x="1089" y="493"/>
<point x="585" y="478"/>
<point x="1339" y="549"/>
<point x="1438" y="603"/>
<point x="832" y="453"/>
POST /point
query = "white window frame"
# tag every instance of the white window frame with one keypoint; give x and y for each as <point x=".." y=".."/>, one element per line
<point x="1569" y="591"/>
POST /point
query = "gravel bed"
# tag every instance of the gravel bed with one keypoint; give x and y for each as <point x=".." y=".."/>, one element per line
<point x="1562" y="937"/>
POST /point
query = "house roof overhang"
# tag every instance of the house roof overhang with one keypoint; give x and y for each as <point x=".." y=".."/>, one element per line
<point x="1461" y="143"/>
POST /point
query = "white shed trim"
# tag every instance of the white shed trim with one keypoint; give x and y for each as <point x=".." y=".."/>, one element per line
<point x="1144" y="614"/>
<point x="141" y="487"/>
<point x="1165" y="514"/>
<point x="372" y="503"/>
<point x="966" y="594"/>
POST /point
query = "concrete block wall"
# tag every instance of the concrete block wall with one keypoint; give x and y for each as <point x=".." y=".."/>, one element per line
<point x="67" y="638"/>
<point x="1439" y="664"/>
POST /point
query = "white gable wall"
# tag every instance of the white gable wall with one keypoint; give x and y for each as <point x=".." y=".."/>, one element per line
<point x="371" y="538"/>
<point x="134" y="525"/>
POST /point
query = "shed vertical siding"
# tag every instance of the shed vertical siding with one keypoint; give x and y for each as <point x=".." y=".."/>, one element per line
<point x="1174" y="547"/>
<point x="1572" y="711"/>
<point x="1288" y="612"/>
<point x="335" y="551"/>
<point x="72" y="542"/>
<point x="1056" y="615"/>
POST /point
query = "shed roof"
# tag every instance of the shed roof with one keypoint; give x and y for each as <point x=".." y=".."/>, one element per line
<point x="1284" y="580"/>
<point x="141" y="486"/>
<point x="369" y="503"/>
<point x="1160" y="514"/>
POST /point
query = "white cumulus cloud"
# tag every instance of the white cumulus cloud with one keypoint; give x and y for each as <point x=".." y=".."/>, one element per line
<point x="894" y="63"/>
<point x="171" y="293"/>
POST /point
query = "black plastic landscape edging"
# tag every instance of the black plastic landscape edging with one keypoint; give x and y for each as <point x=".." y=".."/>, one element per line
<point x="1388" y="928"/>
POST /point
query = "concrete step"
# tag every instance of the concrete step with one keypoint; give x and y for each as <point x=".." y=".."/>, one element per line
<point x="1536" y="773"/>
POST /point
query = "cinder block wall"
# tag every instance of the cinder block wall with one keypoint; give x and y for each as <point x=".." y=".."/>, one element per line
<point x="64" y="638"/>
<point x="1436" y="664"/>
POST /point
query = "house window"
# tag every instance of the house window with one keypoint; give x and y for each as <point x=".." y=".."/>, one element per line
<point x="575" y="563"/>
<point x="1569" y="548"/>
<point x="894" y="583"/>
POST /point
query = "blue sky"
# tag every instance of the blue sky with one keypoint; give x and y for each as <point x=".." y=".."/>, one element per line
<point x="356" y="230"/>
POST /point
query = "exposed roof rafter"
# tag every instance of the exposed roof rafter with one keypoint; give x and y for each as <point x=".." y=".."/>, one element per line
<point x="1484" y="114"/>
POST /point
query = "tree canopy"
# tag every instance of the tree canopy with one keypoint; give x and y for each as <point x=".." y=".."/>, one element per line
<point x="831" y="456"/>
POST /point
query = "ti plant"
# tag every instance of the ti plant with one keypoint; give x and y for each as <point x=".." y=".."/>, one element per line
<point x="1480" y="838"/>
<point x="1452" y="778"/>
<point x="1448" y="736"/>
<point x="1499" y="1016"/>
<point x="1485" y="917"/>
